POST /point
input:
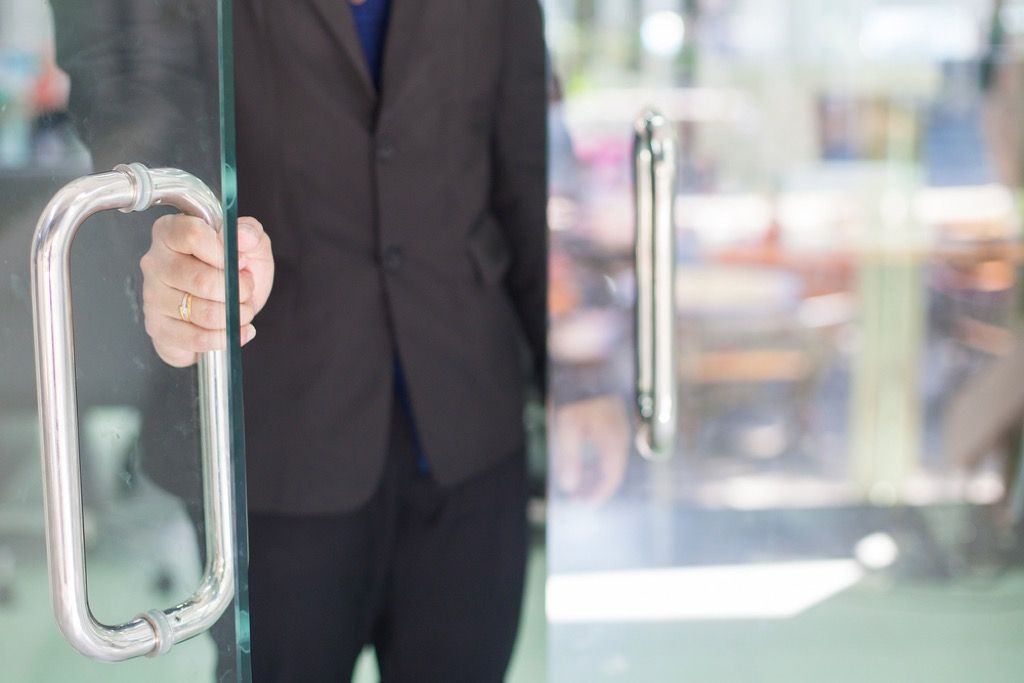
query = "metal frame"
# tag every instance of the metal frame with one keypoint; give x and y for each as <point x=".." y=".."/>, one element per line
<point x="153" y="632"/>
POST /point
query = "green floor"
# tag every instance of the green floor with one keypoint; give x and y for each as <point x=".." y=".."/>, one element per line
<point x="973" y="631"/>
<point x="914" y="635"/>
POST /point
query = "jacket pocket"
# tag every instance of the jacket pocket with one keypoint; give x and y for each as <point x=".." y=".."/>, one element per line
<point x="489" y="251"/>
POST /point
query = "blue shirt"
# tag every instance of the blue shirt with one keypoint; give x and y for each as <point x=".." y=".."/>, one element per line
<point x="371" y="19"/>
<point x="402" y="396"/>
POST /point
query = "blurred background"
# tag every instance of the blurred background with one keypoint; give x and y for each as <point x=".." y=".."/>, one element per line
<point x="846" y="500"/>
<point x="847" y="234"/>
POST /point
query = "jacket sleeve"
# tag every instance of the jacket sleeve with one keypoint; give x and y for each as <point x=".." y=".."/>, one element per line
<point x="519" y="192"/>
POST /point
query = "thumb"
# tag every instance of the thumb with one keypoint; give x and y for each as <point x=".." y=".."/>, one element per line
<point x="250" y="233"/>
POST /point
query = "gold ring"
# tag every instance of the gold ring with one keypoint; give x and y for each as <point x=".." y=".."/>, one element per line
<point x="185" y="308"/>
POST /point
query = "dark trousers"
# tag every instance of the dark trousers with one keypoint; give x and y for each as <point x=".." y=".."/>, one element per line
<point x="432" y="577"/>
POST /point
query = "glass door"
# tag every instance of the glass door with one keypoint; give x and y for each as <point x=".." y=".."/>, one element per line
<point x="122" y="498"/>
<point x="785" y="270"/>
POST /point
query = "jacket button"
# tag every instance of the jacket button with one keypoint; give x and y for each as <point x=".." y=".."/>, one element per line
<point x="385" y="150"/>
<point x="391" y="259"/>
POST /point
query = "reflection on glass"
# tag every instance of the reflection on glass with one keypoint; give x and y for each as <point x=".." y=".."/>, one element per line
<point x="845" y="502"/>
<point x="84" y="86"/>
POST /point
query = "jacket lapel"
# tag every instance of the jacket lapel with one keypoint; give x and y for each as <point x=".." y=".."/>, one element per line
<point x="337" y="15"/>
<point x="404" y="32"/>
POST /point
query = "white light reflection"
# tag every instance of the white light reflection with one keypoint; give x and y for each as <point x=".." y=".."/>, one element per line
<point x="877" y="551"/>
<point x="663" y="33"/>
<point x="779" y="590"/>
<point x="920" y="33"/>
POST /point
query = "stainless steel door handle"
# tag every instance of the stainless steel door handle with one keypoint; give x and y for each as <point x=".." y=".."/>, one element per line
<point x="655" y="170"/>
<point x="153" y="632"/>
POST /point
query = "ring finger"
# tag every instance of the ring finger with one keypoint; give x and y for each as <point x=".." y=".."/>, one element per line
<point x="204" y="313"/>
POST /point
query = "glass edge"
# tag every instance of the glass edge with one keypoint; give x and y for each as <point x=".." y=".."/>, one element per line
<point x="229" y="196"/>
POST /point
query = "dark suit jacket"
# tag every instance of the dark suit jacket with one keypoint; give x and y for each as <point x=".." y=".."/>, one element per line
<point x="408" y="223"/>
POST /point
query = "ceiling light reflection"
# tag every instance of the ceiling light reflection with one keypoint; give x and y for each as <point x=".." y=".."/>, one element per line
<point x="663" y="33"/>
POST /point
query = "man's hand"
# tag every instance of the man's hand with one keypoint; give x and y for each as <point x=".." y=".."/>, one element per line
<point x="592" y="438"/>
<point x="187" y="257"/>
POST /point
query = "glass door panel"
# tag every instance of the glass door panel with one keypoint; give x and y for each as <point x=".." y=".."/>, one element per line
<point x="157" y="462"/>
<point x="844" y="500"/>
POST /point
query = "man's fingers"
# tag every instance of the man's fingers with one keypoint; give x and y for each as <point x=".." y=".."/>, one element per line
<point x="190" y="236"/>
<point x="182" y="337"/>
<point x="176" y="358"/>
<point x="256" y="260"/>
<point x="209" y="315"/>
<point x="569" y="456"/>
<point x="180" y="347"/>
<point x="185" y="265"/>
<point x="613" y="456"/>
<point x="185" y="274"/>
<point x="246" y="286"/>
<point x="592" y="438"/>
<point x="248" y="334"/>
<point x="189" y="274"/>
<point x="250" y="234"/>
<point x="612" y="436"/>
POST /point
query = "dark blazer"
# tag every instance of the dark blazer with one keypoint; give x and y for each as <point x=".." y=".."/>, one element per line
<point x="408" y="224"/>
